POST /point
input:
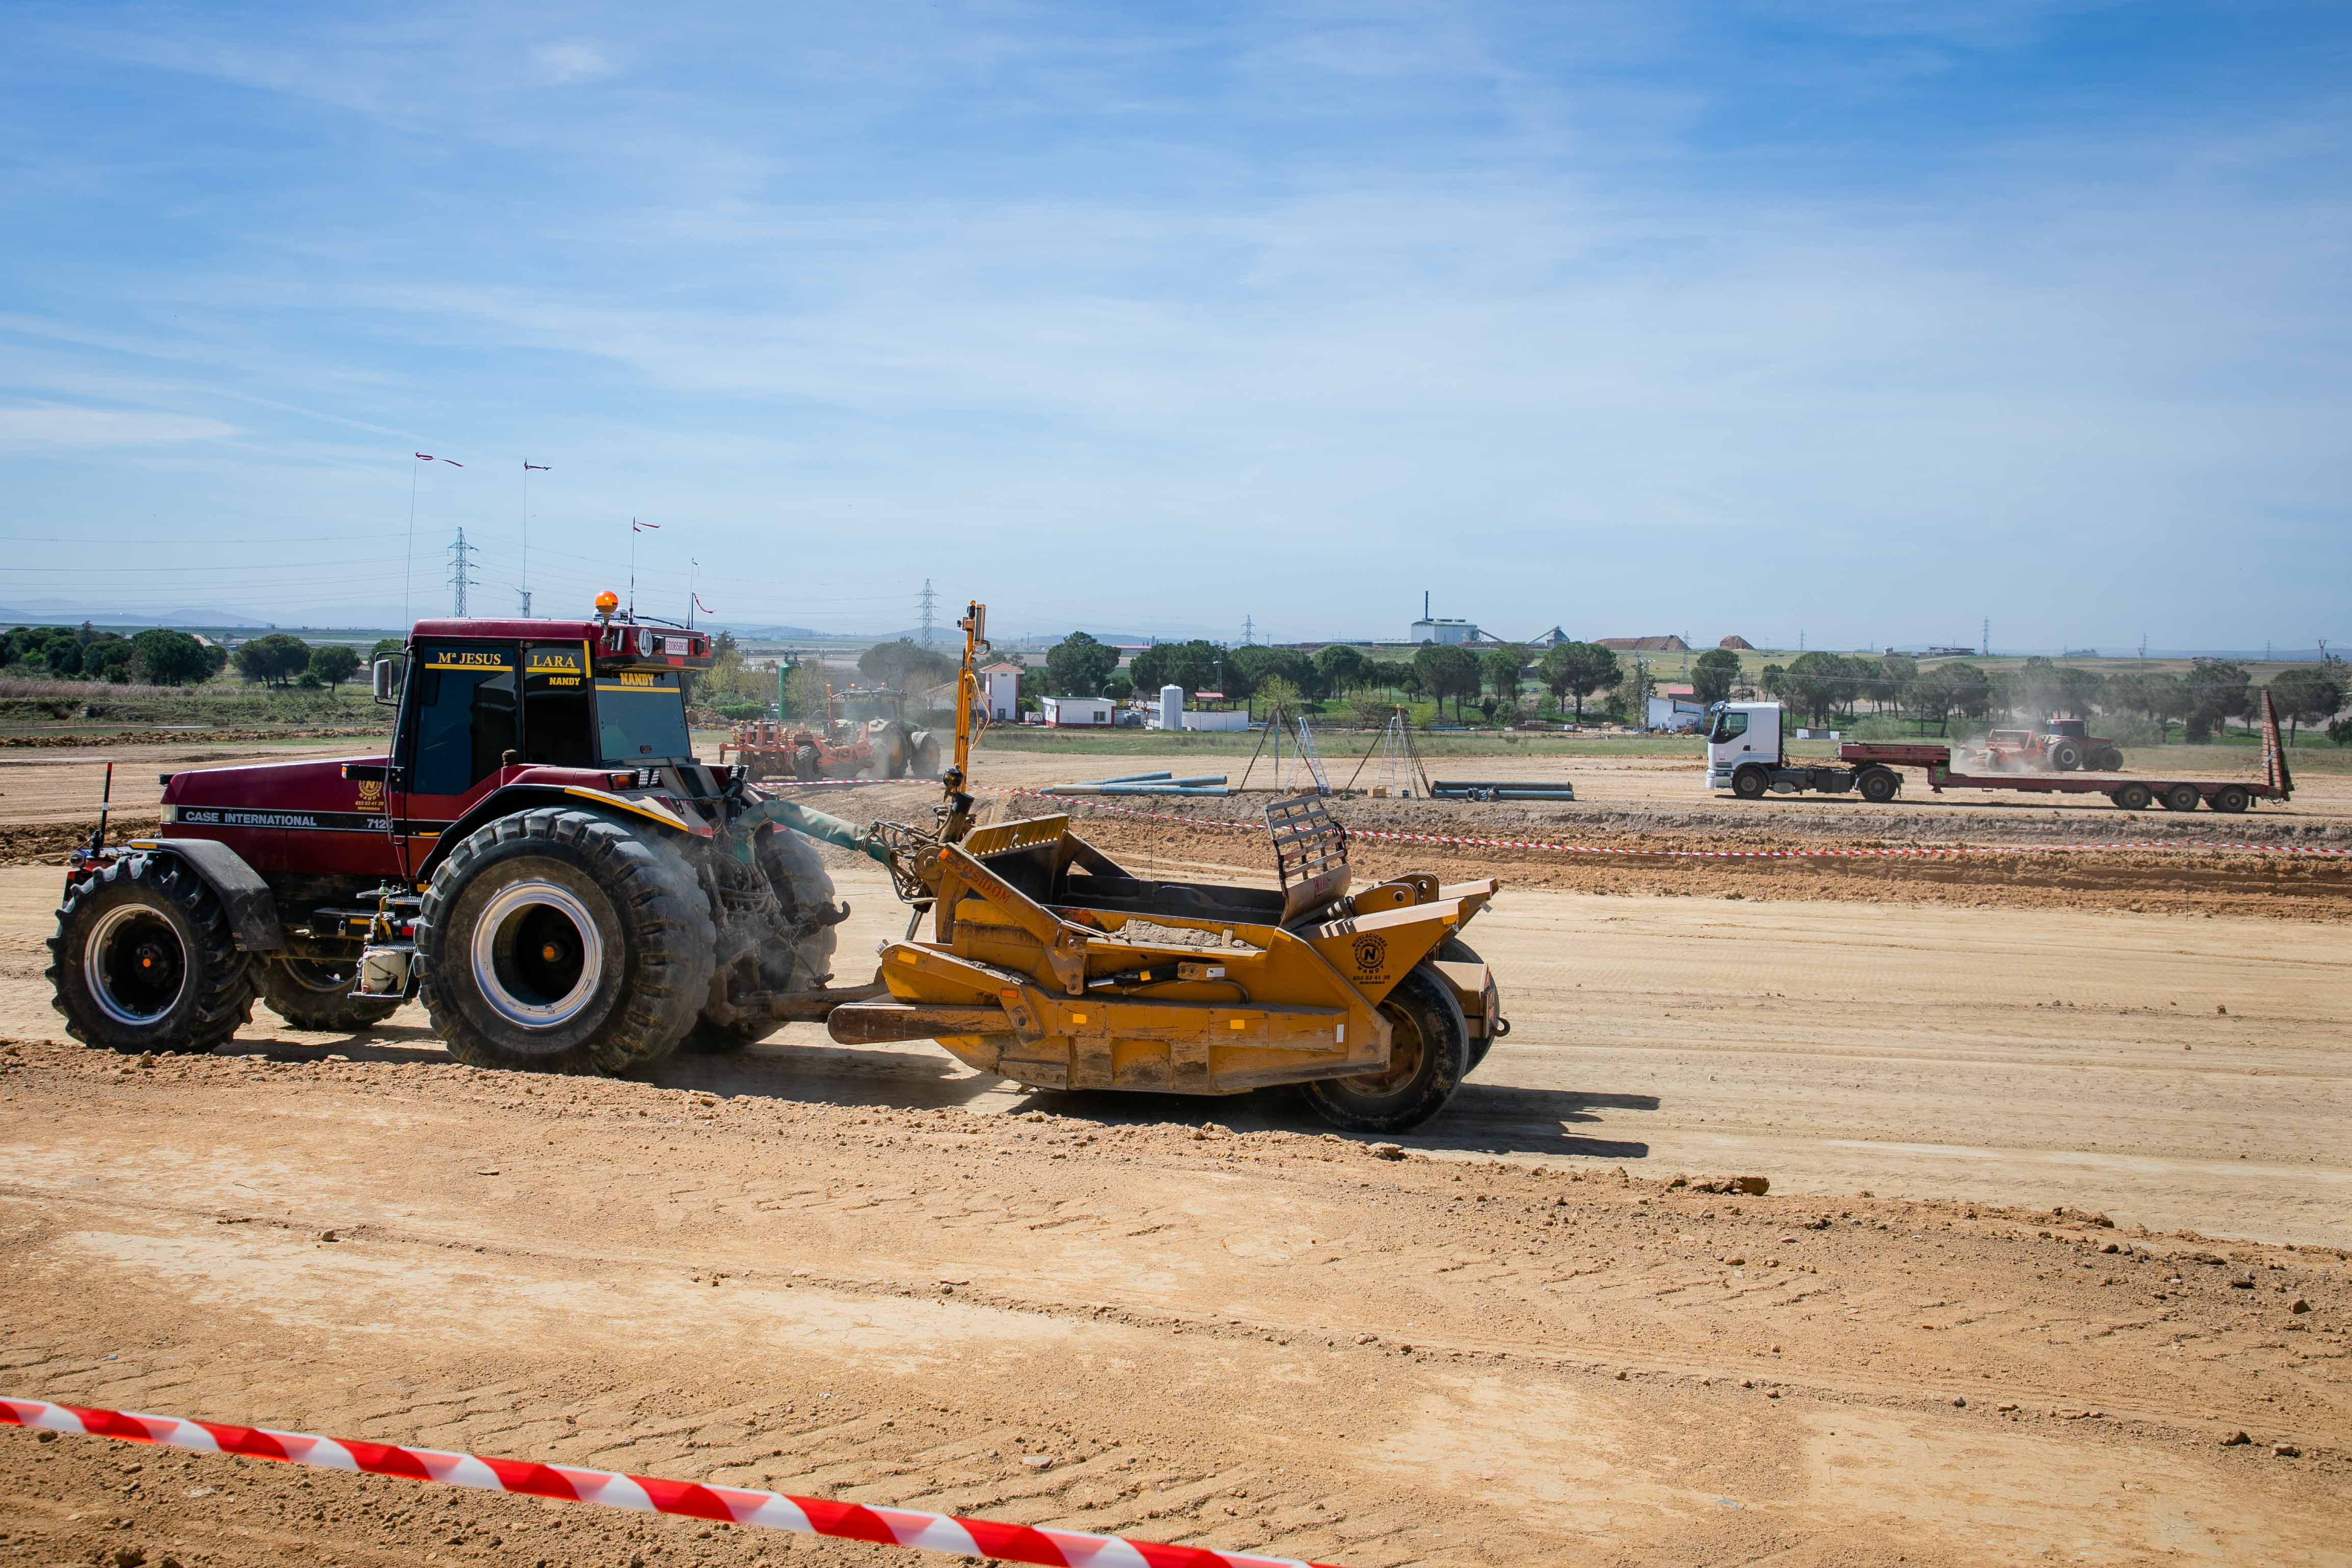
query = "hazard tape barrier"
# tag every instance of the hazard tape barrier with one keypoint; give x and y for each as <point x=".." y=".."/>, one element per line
<point x="642" y="1494"/>
<point x="1063" y="803"/>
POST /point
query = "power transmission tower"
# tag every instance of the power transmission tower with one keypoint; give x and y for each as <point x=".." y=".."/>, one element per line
<point x="1987" y="645"/>
<point x="929" y="598"/>
<point x="1249" y="631"/>
<point x="2143" y="645"/>
<point x="461" y="572"/>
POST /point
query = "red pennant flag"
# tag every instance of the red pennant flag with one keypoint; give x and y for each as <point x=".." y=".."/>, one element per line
<point x="540" y="466"/>
<point x="636" y="527"/>
<point x="424" y="457"/>
<point x="700" y="605"/>
<point x="453" y="462"/>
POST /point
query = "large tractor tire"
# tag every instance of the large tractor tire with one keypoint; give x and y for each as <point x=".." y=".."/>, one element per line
<point x="923" y="758"/>
<point x="1429" y="1053"/>
<point x="2110" y="761"/>
<point x="1453" y="950"/>
<point x="795" y="960"/>
<point x="557" y="940"/>
<point x="316" y="993"/>
<point x="892" y="751"/>
<point x="2066" y="756"/>
<point x="807" y="764"/>
<point x="145" y="960"/>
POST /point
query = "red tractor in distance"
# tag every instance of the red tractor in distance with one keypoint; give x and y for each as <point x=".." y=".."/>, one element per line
<point x="865" y="734"/>
<point x="2059" y="745"/>
<point x="538" y="852"/>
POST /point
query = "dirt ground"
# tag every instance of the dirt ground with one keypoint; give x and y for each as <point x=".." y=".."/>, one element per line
<point x="2059" y="1205"/>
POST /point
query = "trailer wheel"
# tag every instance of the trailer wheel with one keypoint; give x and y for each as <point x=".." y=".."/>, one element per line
<point x="143" y="959"/>
<point x="1429" y="1053"/>
<point x="316" y="993"/>
<point x="2134" y="796"/>
<point x="1749" y="784"/>
<point x="2232" y="798"/>
<point x="558" y="940"/>
<point x="1453" y="950"/>
<point x="1879" y="785"/>
<point x="2180" y="797"/>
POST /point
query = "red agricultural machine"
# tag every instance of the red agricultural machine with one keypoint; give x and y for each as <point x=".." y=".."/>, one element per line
<point x="2059" y="746"/>
<point x="865" y="735"/>
<point x="540" y="857"/>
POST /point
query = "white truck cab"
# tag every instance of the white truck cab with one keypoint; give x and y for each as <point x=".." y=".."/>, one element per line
<point x="1739" y="733"/>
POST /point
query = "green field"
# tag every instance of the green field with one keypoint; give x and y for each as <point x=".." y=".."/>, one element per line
<point x="97" y="707"/>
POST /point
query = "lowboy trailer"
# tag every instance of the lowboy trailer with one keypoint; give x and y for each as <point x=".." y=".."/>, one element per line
<point x="1744" y="755"/>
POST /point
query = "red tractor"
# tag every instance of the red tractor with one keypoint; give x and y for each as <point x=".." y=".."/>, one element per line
<point x="2061" y="745"/>
<point x="865" y="735"/>
<point x="538" y="852"/>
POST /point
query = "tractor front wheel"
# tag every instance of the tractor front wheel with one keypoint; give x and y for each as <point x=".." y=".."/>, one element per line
<point x="558" y="940"/>
<point x="145" y="960"/>
<point x="316" y="993"/>
<point x="1429" y="1055"/>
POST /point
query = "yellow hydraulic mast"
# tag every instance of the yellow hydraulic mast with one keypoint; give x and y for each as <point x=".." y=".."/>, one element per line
<point x="955" y="812"/>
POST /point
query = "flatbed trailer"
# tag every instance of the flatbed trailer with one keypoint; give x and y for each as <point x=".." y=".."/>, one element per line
<point x="1870" y="769"/>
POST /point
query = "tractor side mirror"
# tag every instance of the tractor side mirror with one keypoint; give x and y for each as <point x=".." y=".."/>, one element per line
<point x="387" y="675"/>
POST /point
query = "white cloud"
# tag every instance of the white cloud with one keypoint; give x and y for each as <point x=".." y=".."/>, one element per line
<point x="83" y="428"/>
<point x="573" y="61"/>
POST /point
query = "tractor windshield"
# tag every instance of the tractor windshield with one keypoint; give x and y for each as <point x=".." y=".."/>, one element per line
<point x="641" y="717"/>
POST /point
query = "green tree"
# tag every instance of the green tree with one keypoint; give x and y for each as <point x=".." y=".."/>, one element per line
<point x="273" y="660"/>
<point x="1275" y="695"/>
<point x="804" y="693"/>
<point x="1343" y="668"/>
<point x="1261" y="664"/>
<point x="1773" y="679"/>
<point x="1896" y="671"/>
<point x="1712" y="676"/>
<point x="1118" y="689"/>
<point x="1196" y="665"/>
<point x="1500" y="669"/>
<point x="1578" y="670"/>
<point x="63" y="657"/>
<point x="166" y="658"/>
<point x="1817" y="684"/>
<point x="2218" y="690"/>
<point x="1447" y="670"/>
<point x="2307" y="695"/>
<point x="1958" y="687"/>
<point x="1078" y="665"/>
<point x="334" y="663"/>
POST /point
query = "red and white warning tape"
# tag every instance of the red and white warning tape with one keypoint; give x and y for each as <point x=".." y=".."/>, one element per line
<point x="644" y="1494"/>
<point x="1094" y="806"/>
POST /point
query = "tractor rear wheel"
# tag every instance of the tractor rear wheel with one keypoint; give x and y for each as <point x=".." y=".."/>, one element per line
<point x="2065" y="756"/>
<point x="316" y="993"/>
<point x="1453" y="950"/>
<point x="145" y="960"/>
<point x="558" y="940"/>
<point x="1429" y="1053"/>
<point x="797" y="958"/>
<point x="807" y="764"/>
<point x="923" y="761"/>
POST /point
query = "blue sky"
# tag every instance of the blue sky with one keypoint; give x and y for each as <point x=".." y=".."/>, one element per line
<point x="1860" y="319"/>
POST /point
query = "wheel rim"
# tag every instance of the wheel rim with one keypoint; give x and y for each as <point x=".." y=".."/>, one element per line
<point x="1406" y="1049"/>
<point x="535" y="958"/>
<point x="134" y="964"/>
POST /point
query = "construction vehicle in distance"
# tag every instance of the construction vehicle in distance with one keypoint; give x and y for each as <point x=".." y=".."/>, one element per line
<point x="863" y="734"/>
<point x="541" y="857"/>
<point x="2059" y="745"/>
<point x="1745" y="755"/>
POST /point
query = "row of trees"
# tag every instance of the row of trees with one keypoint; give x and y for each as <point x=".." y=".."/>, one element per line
<point x="1828" y="687"/>
<point x="283" y="660"/>
<point x="157" y="657"/>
